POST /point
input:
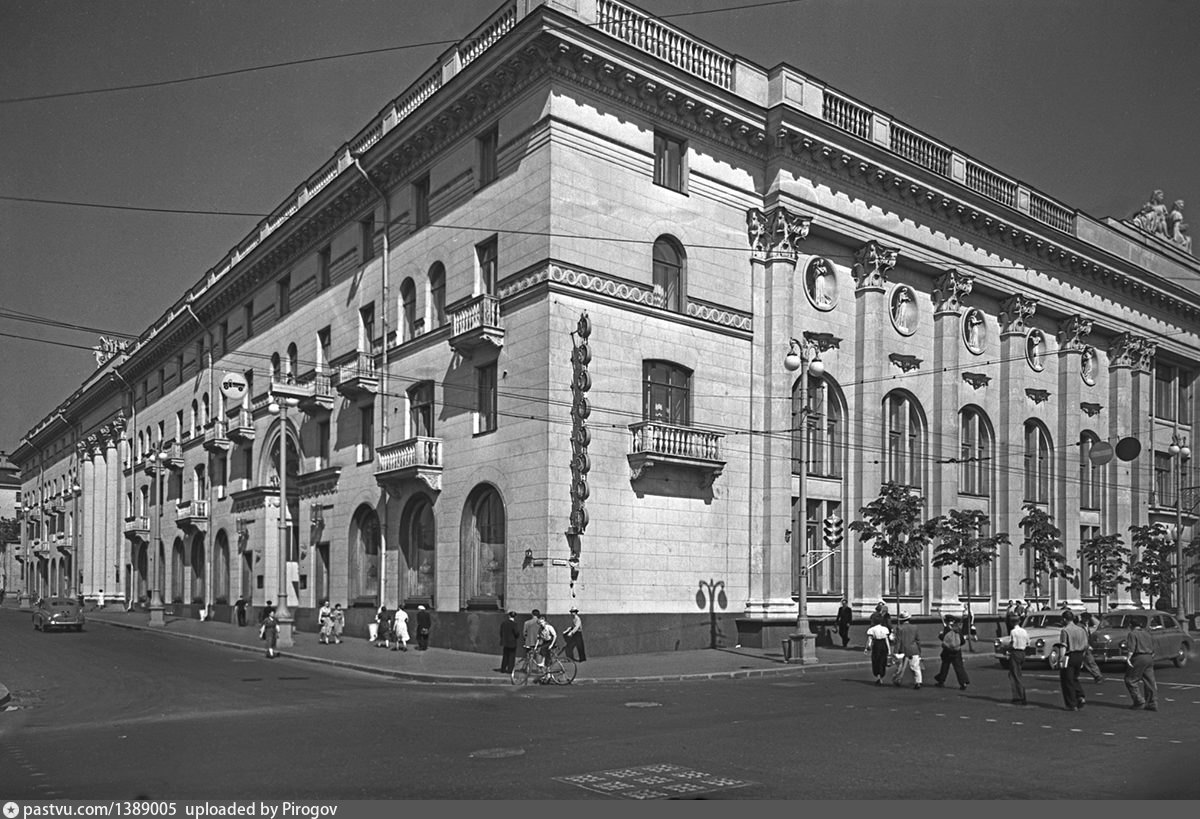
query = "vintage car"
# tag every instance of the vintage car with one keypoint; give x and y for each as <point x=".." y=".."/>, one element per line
<point x="1044" y="628"/>
<point x="58" y="613"/>
<point x="1171" y="641"/>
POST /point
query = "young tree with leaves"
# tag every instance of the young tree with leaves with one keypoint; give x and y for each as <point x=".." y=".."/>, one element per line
<point x="961" y="548"/>
<point x="894" y="523"/>
<point x="1153" y="573"/>
<point x="1043" y="542"/>
<point x="1108" y="557"/>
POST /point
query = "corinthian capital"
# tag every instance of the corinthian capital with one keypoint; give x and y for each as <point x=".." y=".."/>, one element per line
<point x="1014" y="312"/>
<point x="872" y="263"/>
<point x="1073" y="333"/>
<point x="776" y="233"/>
<point x="951" y="287"/>
<point x="1128" y="351"/>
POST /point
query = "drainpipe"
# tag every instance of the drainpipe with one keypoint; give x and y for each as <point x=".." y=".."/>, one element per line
<point x="383" y="377"/>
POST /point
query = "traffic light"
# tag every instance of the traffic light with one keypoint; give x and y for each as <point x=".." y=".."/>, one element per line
<point x="832" y="530"/>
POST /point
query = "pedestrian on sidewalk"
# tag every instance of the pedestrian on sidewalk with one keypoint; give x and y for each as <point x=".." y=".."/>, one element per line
<point x="510" y="636"/>
<point x="339" y="622"/>
<point x="1017" y="646"/>
<point x="268" y="611"/>
<point x="879" y="646"/>
<point x="325" y="620"/>
<point x="1139" y="659"/>
<point x="1012" y="615"/>
<point x="530" y="631"/>
<point x="908" y="652"/>
<point x="845" y="616"/>
<point x="379" y="629"/>
<point x="240" y="608"/>
<point x="424" y="625"/>
<point x="952" y="643"/>
<point x="270" y="630"/>
<point x="573" y="634"/>
<point x="882" y="616"/>
<point x="1074" y="641"/>
<point x="399" y="633"/>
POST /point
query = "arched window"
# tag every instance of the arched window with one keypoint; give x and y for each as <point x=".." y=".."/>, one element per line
<point x="194" y="418"/>
<point x="1037" y="463"/>
<point x="437" y="294"/>
<point x="483" y="549"/>
<point x="221" y="568"/>
<point x="823" y="423"/>
<point x="276" y="367"/>
<point x="364" y="557"/>
<point x="419" y="535"/>
<point x="204" y="411"/>
<point x="1091" y="476"/>
<point x="420" y="410"/>
<point x="408" y="310"/>
<point x="668" y="273"/>
<point x="293" y="362"/>
<point x="666" y="393"/>
<point x="197" y="573"/>
<point x="178" y="576"/>
<point x="974" y="452"/>
<point x="904" y="440"/>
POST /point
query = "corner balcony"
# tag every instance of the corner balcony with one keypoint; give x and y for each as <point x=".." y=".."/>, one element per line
<point x="312" y="391"/>
<point x="414" y="459"/>
<point x="216" y="439"/>
<point x="137" y="527"/>
<point x="357" y="377"/>
<point x="192" y="514"/>
<point x="240" y="427"/>
<point x="477" y="324"/>
<point x="657" y="445"/>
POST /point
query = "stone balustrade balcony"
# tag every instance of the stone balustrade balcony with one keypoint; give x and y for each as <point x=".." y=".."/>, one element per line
<point x="192" y="514"/>
<point x="476" y="324"/>
<point x="694" y="449"/>
<point x="417" y="458"/>
<point x="357" y="377"/>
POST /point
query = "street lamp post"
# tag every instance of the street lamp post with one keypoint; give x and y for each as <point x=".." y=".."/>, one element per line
<point x="804" y="354"/>
<point x="156" y="601"/>
<point x="283" y="614"/>
<point x="1180" y="452"/>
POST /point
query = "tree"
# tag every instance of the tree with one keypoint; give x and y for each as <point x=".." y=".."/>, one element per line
<point x="1192" y="572"/>
<point x="1108" y="557"/>
<point x="895" y="522"/>
<point x="1153" y="573"/>
<point x="9" y="531"/>
<point x="1043" y="542"/>
<point x="961" y="547"/>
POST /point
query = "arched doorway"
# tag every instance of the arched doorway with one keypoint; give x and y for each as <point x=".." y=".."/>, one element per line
<point x="483" y="549"/>
<point x="221" y="568"/>
<point x="178" y="577"/>
<point x="364" y="543"/>
<point x="196" y="575"/>
<point x="418" y="545"/>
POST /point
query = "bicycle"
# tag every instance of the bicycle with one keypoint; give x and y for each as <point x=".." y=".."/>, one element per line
<point x="559" y="670"/>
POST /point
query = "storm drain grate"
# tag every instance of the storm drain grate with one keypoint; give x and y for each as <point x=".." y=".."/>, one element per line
<point x="663" y="781"/>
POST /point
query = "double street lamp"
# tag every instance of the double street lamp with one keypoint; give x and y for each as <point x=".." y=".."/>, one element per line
<point x="804" y="354"/>
<point x="1181" y="453"/>
<point x="159" y="457"/>
<point x="283" y="614"/>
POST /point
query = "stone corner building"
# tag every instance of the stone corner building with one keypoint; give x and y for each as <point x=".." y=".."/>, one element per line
<point x="524" y="340"/>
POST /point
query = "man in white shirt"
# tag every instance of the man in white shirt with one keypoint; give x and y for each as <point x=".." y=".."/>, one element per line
<point x="1016" y="662"/>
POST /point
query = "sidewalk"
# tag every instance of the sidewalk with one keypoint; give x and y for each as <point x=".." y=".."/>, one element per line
<point x="462" y="667"/>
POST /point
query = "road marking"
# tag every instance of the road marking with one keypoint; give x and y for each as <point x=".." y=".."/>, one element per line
<point x="1175" y="741"/>
<point x="1109" y="734"/>
<point x="964" y="717"/>
<point x="991" y="720"/>
<point x="1076" y="730"/>
<point x="1142" y="737"/>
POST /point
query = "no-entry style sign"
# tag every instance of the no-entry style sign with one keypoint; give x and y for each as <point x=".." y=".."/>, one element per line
<point x="233" y="386"/>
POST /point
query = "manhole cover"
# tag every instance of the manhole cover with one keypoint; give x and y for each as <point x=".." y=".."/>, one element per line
<point x="643" y="705"/>
<point x="653" y="782"/>
<point x="496" y="753"/>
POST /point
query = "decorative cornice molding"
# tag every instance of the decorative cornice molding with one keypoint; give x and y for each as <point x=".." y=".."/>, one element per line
<point x="320" y="482"/>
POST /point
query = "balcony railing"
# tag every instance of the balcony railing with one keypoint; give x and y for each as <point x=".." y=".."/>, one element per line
<point x="137" y="527"/>
<point x="241" y="425"/>
<point x="192" y="514"/>
<point x="417" y="458"/>
<point x="475" y="324"/>
<point x="216" y="439"/>
<point x="657" y="444"/>
<point x="668" y="44"/>
<point x="357" y="377"/>
<point x="313" y="391"/>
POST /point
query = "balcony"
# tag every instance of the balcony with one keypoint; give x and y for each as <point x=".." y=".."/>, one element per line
<point x="312" y="391"/>
<point x="414" y="459"/>
<point x="240" y="427"/>
<point x="216" y="439"/>
<point x="358" y="377"/>
<point x="137" y="527"/>
<point x="174" y="458"/>
<point x="657" y="445"/>
<point x="192" y="514"/>
<point x="64" y="543"/>
<point x="475" y="324"/>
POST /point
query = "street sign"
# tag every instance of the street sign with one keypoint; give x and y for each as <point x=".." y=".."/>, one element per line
<point x="234" y="386"/>
<point x="1100" y="453"/>
<point x="1128" y="448"/>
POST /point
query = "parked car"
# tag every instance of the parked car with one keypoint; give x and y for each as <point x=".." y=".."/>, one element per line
<point x="1171" y="640"/>
<point x="58" y="612"/>
<point x="1044" y="628"/>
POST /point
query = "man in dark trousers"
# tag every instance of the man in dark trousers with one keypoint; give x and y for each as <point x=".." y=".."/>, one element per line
<point x="844" y="616"/>
<point x="1139" y="674"/>
<point x="510" y="637"/>
<point x="424" y="625"/>
<point x="240" y="608"/>
<point x="1075" y="642"/>
<point x="952" y="643"/>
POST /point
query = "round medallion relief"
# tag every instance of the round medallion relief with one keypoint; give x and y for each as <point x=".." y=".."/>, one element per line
<point x="904" y="310"/>
<point x="820" y="283"/>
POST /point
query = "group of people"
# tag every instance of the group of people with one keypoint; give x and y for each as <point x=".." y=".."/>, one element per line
<point x="903" y="648"/>
<point x="390" y="629"/>
<point x="538" y="636"/>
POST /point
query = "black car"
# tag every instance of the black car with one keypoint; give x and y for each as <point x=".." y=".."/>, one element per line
<point x="58" y="612"/>
<point x="1171" y="640"/>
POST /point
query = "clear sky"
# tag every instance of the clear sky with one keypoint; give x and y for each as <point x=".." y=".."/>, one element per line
<point x="1093" y="102"/>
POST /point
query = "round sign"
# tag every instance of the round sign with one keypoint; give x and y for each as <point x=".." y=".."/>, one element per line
<point x="1100" y="453"/>
<point x="1128" y="448"/>
<point x="234" y="386"/>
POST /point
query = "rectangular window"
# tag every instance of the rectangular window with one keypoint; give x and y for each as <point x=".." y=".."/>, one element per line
<point x="179" y="369"/>
<point x="488" y="142"/>
<point x="366" y="328"/>
<point x="420" y="410"/>
<point x="670" y="162"/>
<point x="666" y="393"/>
<point x="1164" y="487"/>
<point x="367" y="237"/>
<point x="421" y="202"/>
<point x="248" y="319"/>
<point x="324" y="336"/>
<point x="366" y="438"/>
<point x="1187" y="382"/>
<point x="1164" y="392"/>
<point x="323" y="444"/>
<point x="1086" y="570"/>
<point x="485" y="399"/>
<point x="324" y="263"/>
<point x="486" y="255"/>
<point x="283" y="292"/>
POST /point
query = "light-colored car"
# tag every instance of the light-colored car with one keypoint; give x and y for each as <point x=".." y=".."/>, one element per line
<point x="58" y="613"/>
<point x="1044" y="628"/>
<point x="1171" y="640"/>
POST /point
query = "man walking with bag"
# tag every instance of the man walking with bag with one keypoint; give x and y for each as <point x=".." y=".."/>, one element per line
<point x="1016" y="662"/>
<point x="952" y="644"/>
<point x="908" y="652"/>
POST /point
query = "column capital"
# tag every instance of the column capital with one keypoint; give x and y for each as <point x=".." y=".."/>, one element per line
<point x="775" y="234"/>
<point x="1128" y="351"/>
<point x="1014" y="312"/>
<point x="872" y="263"/>
<point x="950" y="289"/>
<point x="1073" y="333"/>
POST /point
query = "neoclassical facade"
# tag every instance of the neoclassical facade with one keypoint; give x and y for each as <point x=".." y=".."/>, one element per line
<point x="521" y="343"/>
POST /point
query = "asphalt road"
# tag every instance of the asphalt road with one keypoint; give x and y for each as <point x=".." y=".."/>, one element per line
<point x="112" y="713"/>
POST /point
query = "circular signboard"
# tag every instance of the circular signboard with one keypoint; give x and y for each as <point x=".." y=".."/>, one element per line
<point x="233" y="386"/>
<point x="1128" y="448"/>
<point x="1100" y="453"/>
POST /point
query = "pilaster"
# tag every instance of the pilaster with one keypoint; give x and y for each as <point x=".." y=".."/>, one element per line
<point x="1015" y="340"/>
<point x="1073" y="351"/>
